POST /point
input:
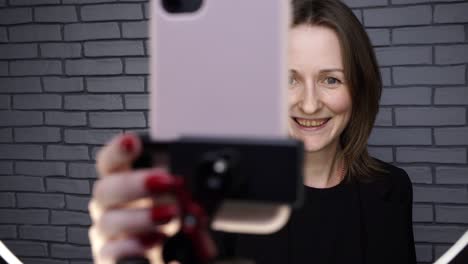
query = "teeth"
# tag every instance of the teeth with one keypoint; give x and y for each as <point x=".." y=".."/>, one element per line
<point x="310" y="123"/>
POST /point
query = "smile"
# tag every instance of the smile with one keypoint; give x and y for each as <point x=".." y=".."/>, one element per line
<point x="311" y="123"/>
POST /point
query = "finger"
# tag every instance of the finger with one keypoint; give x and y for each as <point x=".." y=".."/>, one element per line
<point x="129" y="186"/>
<point x="118" y="154"/>
<point x="114" y="250"/>
<point x="135" y="221"/>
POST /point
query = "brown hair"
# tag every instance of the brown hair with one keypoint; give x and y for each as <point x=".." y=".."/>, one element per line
<point x="362" y="75"/>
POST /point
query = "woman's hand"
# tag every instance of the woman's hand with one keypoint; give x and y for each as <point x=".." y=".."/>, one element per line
<point x="128" y="219"/>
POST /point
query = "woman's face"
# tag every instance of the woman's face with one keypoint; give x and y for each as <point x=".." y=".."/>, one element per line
<point x="319" y="98"/>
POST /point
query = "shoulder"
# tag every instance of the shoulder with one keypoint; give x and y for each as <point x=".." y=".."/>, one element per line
<point x="393" y="184"/>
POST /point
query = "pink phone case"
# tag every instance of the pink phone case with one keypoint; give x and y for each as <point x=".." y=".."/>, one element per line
<point x="220" y="71"/>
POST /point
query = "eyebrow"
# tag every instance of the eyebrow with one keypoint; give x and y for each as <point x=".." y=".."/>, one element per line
<point x="322" y="71"/>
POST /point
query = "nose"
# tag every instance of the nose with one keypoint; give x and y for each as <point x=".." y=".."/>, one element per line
<point x="310" y="101"/>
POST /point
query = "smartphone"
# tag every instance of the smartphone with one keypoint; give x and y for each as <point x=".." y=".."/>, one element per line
<point x="219" y="72"/>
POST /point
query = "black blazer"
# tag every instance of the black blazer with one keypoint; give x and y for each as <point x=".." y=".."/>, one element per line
<point x="386" y="225"/>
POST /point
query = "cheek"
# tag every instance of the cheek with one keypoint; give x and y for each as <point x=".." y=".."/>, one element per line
<point x="340" y="103"/>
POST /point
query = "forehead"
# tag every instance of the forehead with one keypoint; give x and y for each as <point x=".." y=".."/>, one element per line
<point x="314" y="47"/>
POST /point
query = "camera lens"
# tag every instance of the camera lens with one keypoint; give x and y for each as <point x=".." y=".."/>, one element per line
<point x="181" y="6"/>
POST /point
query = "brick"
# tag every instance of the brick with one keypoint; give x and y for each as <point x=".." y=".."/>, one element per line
<point x="423" y="213"/>
<point x="379" y="37"/>
<point x="55" y="14"/>
<point x="94" y="67"/>
<point x="137" y="102"/>
<point x="4" y="68"/>
<point x="404" y="55"/>
<point x="423" y="253"/>
<point x="28" y="68"/>
<point x="398" y="16"/>
<point x="440" y="194"/>
<point x="123" y="84"/>
<point x="451" y="136"/>
<point x="111" y="12"/>
<point x="26" y="33"/>
<point x="93" y="102"/>
<point x="418" y="174"/>
<point x="137" y="66"/>
<point x="24" y="216"/>
<point x="440" y="250"/>
<point x="452" y="54"/>
<point x="21" y="151"/>
<point x="3" y="35"/>
<point x="135" y="29"/>
<point x="418" y="1"/>
<point x="430" y="116"/>
<point x="96" y="137"/>
<point x="384" y="117"/>
<point x="10" y="16"/>
<point x="117" y="120"/>
<point x="3" y="3"/>
<point x="93" y="31"/>
<point x="147" y="11"/>
<point x="78" y="203"/>
<point x="6" y="167"/>
<point x="65" y="118"/>
<point x="7" y="231"/>
<point x="60" y="50"/>
<point x="63" y="85"/>
<point x="428" y="35"/>
<point x="441" y="75"/>
<point x="4" y="101"/>
<point x="20" y="85"/>
<point x="114" y="48"/>
<point x="27" y="249"/>
<point x="385" y="154"/>
<point x="44" y="233"/>
<point x="365" y="3"/>
<point x="451" y="13"/>
<point x="358" y="14"/>
<point x="70" y="218"/>
<point x="437" y="234"/>
<point x="70" y="252"/>
<point x="7" y="200"/>
<point x="18" y="51"/>
<point x="386" y="75"/>
<point x="451" y="214"/>
<point x="67" y="186"/>
<point x="78" y="235"/>
<point x="400" y="136"/>
<point x="43" y="261"/>
<point x="82" y="170"/>
<point x="61" y="152"/>
<point x="406" y="96"/>
<point x="452" y="175"/>
<point x="21" y="183"/>
<point x="451" y="95"/>
<point x="435" y="155"/>
<point x="6" y="135"/>
<point x="37" y="101"/>
<point x="20" y="118"/>
<point x="40" y="168"/>
<point x="33" y="2"/>
<point x="37" y="134"/>
<point x="40" y="200"/>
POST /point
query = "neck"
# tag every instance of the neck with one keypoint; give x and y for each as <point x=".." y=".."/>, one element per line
<point x="322" y="169"/>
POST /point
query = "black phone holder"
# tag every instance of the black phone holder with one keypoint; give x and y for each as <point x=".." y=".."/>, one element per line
<point x="219" y="169"/>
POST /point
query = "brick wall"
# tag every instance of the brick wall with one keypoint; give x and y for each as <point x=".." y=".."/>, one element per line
<point x="74" y="72"/>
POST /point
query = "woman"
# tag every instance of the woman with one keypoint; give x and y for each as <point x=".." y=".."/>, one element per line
<point x="357" y="209"/>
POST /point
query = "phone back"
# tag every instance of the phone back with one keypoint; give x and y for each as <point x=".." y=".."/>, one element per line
<point x="220" y="71"/>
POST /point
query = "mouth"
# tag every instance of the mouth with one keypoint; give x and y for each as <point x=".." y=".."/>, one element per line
<point x="311" y="123"/>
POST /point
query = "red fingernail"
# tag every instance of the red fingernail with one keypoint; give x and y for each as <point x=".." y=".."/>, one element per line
<point x="149" y="239"/>
<point x="161" y="183"/>
<point x="128" y="144"/>
<point x="164" y="214"/>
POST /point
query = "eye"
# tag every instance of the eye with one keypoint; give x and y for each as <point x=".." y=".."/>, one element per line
<point x="292" y="81"/>
<point x="332" y="81"/>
